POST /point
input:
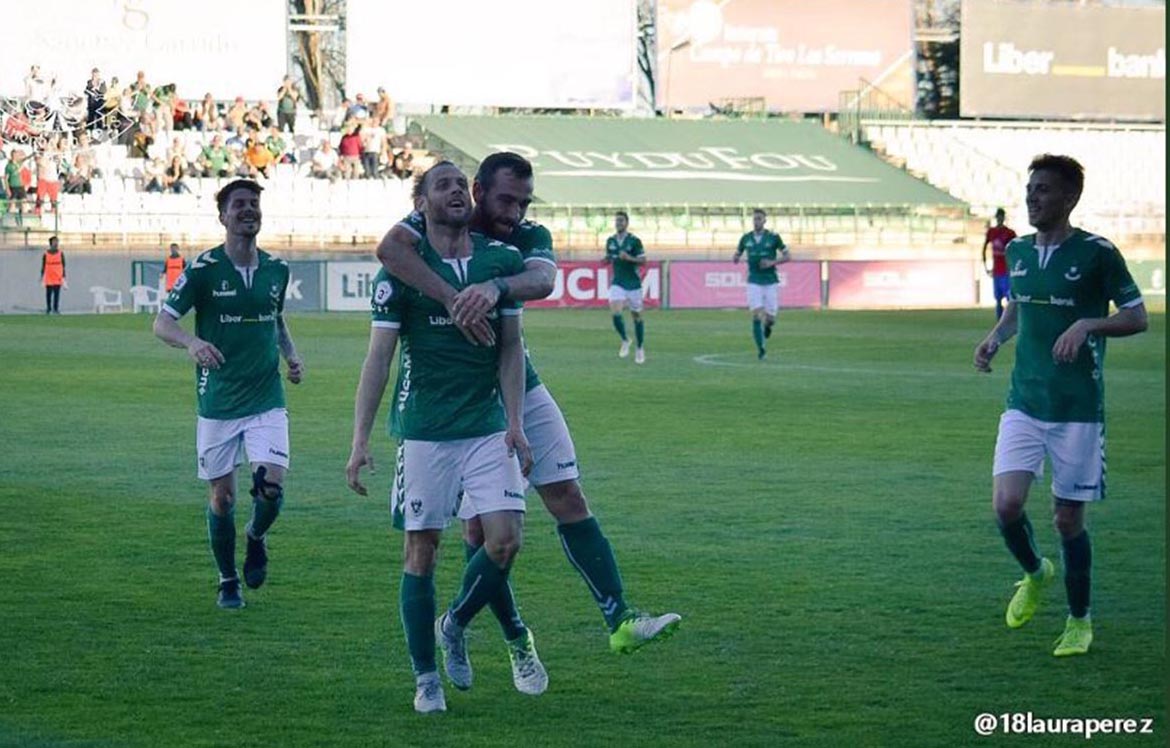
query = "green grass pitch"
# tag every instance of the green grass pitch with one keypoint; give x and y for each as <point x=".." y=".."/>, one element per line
<point x="821" y="520"/>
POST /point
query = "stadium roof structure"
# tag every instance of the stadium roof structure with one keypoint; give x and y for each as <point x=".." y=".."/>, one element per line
<point x="600" y="161"/>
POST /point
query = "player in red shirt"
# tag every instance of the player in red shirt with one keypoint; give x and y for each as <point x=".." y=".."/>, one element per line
<point x="998" y="236"/>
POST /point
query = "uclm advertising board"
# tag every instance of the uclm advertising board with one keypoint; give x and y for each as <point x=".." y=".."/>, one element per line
<point x="1024" y="58"/>
<point x="797" y="55"/>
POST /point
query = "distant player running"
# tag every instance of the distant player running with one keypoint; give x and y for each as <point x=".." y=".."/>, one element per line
<point x="503" y="190"/>
<point x="765" y="250"/>
<point x="457" y="443"/>
<point x="624" y="252"/>
<point x="998" y="237"/>
<point x="1062" y="280"/>
<point x="237" y="292"/>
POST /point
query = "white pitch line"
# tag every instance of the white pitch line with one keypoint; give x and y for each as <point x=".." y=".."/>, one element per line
<point x="712" y="359"/>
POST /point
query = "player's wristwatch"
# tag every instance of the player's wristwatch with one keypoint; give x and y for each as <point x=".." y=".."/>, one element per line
<point x="502" y="287"/>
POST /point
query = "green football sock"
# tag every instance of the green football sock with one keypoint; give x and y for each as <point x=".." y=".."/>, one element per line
<point x="221" y="532"/>
<point x="264" y="513"/>
<point x="619" y="324"/>
<point x="758" y="333"/>
<point x="639" y="331"/>
<point x="416" y="601"/>
<point x="1078" y="568"/>
<point x="503" y="605"/>
<point x="1017" y="536"/>
<point x="482" y="579"/>
<point x="591" y="554"/>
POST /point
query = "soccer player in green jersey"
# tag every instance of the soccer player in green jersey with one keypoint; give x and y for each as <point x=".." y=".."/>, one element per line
<point x="1062" y="282"/>
<point x="237" y="291"/>
<point x="765" y="250"/>
<point x="624" y="252"/>
<point x="503" y="190"/>
<point x="458" y="444"/>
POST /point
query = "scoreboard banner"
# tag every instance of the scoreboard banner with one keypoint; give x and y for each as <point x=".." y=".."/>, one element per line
<point x="796" y="55"/>
<point x="723" y="285"/>
<point x="902" y="285"/>
<point x="1033" y="58"/>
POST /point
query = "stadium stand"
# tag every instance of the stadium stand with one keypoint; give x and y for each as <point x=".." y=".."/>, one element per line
<point x="985" y="165"/>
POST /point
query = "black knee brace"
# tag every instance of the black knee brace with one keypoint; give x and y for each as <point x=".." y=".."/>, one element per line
<point x="262" y="488"/>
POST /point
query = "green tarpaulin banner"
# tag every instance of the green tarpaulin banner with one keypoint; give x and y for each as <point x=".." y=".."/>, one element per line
<point x="596" y="161"/>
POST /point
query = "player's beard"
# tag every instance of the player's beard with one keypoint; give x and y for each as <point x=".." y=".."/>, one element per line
<point x="454" y="218"/>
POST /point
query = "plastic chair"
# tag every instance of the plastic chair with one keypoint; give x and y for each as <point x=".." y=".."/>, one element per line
<point x="145" y="299"/>
<point x="106" y="299"/>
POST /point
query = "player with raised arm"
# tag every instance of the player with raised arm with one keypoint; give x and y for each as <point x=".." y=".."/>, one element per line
<point x="1062" y="282"/>
<point x="458" y="445"/>
<point x="503" y="190"/>
<point x="237" y="291"/>
<point x="765" y="250"/>
<point x="624" y="252"/>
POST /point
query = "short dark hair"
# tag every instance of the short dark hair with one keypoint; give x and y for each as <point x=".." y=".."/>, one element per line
<point x="1066" y="167"/>
<point x="221" y="197"/>
<point x="53" y="238"/>
<point x="621" y="213"/>
<point x="420" y="182"/>
<point x="1000" y="212"/>
<point x="514" y="162"/>
<point x="760" y="211"/>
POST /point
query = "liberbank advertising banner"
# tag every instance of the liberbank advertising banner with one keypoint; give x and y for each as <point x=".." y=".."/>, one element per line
<point x="902" y="285"/>
<point x="723" y="285"/>
<point x="578" y="284"/>
<point x="796" y="54"/>
<point x="1062" y="60"/>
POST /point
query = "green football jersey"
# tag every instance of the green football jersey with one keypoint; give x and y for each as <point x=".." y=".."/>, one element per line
<point x="447" y="388"/>
<point x="1052" y="287"/>
<point x="625" y="273"/>
<point x="766" y="247"/>
<point x="236" y="311"/>
<point x="535" y="244"/>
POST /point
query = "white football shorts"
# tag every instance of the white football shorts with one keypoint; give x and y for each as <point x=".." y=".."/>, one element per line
<point x="632" y="297"/>
<point x="762" y="296"/>
<point x="435" y="480"/>
<point x="1076" y="450"/>
<point x="221" y="444"/>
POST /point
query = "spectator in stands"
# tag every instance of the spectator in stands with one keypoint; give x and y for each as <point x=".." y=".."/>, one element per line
<point x="36" y="89"/>
<point x="279" y="149"/>
<point x="181" y="114"/>
<point x="403" y="166"/>
<point x="206" y="117"/>
<point x="358" y="109"/>
<point x="142" y="137"/>
<point x="215" y="160"/>
<point x="164" y="111"/>
<point x="174" y="178"/>
<point x="237" y="143"/>
<point x="325" y="163"/>
<point x="153" y="175"/>
<point x="234" y="119"/>
<point x="141" y="98"/>
<point x="383" y="110"/>
<point x="12" y="178"/>
<point x="79" y="176"/>
<point x="95" y="99"/>
<point x="373" y="147"/>
<point x="53" y="276"/>
<point x="86" y="156"/>
<point x="287" y="97"/>
<point x="258" y="159"/>
<point x="112" y="119"/>
<point x="350" y="149"/>
<point x="258" y="119"/>
<point x="48" y="163"/>
<point x="998" y="237"/>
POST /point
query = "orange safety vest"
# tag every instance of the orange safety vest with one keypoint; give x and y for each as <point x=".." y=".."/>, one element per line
<point x="54" y="269"/>
<point x="174" y="269"/>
